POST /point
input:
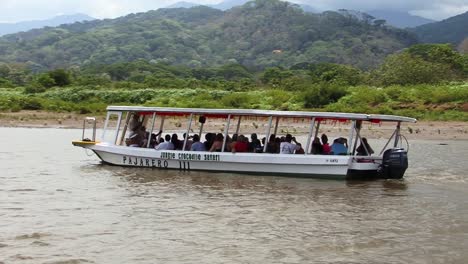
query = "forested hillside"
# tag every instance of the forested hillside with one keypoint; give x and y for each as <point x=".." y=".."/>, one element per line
<point x="259" y="34"/>
<point x="452" y="30"/>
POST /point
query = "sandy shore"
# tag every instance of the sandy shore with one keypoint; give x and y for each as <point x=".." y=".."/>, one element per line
<point x="431" y="130"/>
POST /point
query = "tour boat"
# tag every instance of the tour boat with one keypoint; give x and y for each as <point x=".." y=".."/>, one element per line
<point x="391" y="162"/>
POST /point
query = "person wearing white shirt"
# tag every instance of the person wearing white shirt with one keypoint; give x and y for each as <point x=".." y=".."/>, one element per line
<point x="287" y="147"/>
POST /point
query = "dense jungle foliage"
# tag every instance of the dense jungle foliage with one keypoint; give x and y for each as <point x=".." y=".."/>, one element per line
<point x="423" y="81"/>
<point x="259" y="34"/>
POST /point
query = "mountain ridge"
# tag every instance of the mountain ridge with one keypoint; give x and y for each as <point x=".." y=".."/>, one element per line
<point x="259" y="34"/>
<point x="10" y="28"/>
<point x="451" y="30"/>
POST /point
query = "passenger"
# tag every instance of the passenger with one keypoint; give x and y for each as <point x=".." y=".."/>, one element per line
<point x="134" y="124"/>
<point x="189" y="143"/>
<point x="242" y="145"/>
<point x="133" y="141"/>
<point x="364" y="148"/>
<point x="154" y="139"/>
<point x="227" y="147"/>
<point x="325" y="145"/>
<point x="345" y="141"/>
<point x="197" y="145"/>
<point x="272" y="146"/>
<point x="209" y="138"/>
<point x="287" y="147"/>
<point x="317" y="147"/>
<point x="255" y="145"/>
<point x="300" y="150"/>
<point x="178" y="144"/>
<point x="338" y="147"/>
<point x="166" y="145"/>
<point x="233" y="142"/>
<point x="278" y="143"/>
<point x="217" y="143"/>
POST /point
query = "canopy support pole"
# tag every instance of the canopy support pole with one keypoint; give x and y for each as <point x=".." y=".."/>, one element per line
<point x="226" y="132"/>
<point x="238" y="125"/>
<point x="127" y="119"/>
<point x="161" y="127"/>
<point x="309" y="136"/>
<point x="151" y="130"/>
<point x="188" y="131"/>
<point x="397" y="135"/>
<point x="270" y="120"/>
<point x="117" y="128"/>
<point x="351" y="136"/>
<point x="276" y="126"/>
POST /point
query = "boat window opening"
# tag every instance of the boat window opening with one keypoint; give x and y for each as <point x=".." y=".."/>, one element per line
<point x="92" y="122"/>
<point x="394" y="136"/>
<point x="226" y="133"/>
<point x="111" y="127"/>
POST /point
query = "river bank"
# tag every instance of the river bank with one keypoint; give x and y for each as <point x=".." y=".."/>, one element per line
<point x="429" y="130"/>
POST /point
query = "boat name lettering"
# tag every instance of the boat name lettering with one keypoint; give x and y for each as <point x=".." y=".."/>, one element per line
<point x="144" y="162"/>
<point x="332" y="160"/>
<point x="211" y="157"/>
<point x="189" y="156"/>
<point x="168" y="155"/>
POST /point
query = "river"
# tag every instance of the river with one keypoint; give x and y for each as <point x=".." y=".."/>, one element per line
<point x="58" y="205"/>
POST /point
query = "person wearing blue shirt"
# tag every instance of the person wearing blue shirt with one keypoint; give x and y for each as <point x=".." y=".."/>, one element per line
<point x="338" y="147"/>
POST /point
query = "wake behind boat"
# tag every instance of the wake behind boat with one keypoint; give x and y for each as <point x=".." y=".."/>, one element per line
<point x="127" y="142"/>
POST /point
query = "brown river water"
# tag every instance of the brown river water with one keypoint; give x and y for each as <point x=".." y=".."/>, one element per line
<point x="58" y="205"/>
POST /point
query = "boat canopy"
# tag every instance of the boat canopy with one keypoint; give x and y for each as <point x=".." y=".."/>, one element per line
<point x="224" y="113"/>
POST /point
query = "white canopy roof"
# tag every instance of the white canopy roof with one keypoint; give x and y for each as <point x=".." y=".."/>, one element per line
<point x="254" y="112"/>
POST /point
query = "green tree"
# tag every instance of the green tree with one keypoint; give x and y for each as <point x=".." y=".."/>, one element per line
<point x="61" y="77"/>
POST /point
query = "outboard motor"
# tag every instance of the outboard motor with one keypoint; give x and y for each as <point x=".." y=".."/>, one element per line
<point x="394" y="163"/>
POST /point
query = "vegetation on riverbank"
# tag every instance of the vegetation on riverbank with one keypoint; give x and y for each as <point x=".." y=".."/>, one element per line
<point x="425" y="81"/>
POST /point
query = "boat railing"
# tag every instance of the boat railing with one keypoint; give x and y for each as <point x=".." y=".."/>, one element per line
<point x="89" y="121"/>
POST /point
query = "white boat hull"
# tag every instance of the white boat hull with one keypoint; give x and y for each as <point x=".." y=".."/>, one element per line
<point x="324" y="166"/>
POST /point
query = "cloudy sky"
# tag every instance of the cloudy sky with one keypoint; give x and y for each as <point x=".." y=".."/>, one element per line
<point x="20" y="10"/>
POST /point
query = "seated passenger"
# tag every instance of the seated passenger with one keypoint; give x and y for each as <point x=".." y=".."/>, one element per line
<point x="317" y="147"/>
<point x="189" y="143"/>
<point x="255" y="145"/>
<point x="287" y="147"/>
<point x="233" y="142"/>
<point x="272" y="146"/>
<point x="364" y="148"/>
<point x="242" y="145"/>
<point x="178" y="144"/>
<point x="338" y="147"/>
<point x="325" y="145"/>
<point x="197" y="145"/>
<point x="300" y="150"/>
<point x="209" y="138"/>
<point x="134" y="141"/>
<point x="166" y="145"/>
<point x="217" y="143"/>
